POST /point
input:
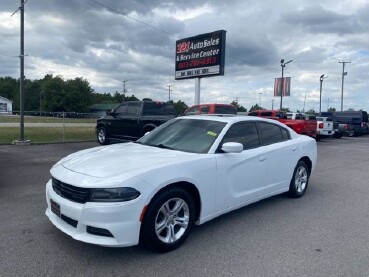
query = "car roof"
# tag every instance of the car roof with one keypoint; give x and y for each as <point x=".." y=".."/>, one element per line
<point x="230" y="118"/>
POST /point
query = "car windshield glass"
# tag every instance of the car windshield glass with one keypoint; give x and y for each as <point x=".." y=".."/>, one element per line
<point x="189" y="135"/>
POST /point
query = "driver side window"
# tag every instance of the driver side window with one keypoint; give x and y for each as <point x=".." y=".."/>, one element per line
<point x="245" y="133"/>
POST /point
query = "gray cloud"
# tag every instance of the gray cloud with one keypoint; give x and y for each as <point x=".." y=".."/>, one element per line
<point x="82" y="38"/>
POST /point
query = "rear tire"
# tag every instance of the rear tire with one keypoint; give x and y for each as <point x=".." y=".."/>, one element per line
<point x="168" y="220"/>
<point x="300" y="180"/>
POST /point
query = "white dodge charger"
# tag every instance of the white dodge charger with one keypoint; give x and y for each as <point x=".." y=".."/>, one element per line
<point x="185" y="172"/>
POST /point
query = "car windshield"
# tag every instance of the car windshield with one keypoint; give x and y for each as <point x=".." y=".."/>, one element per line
<point x="189" y="135"/>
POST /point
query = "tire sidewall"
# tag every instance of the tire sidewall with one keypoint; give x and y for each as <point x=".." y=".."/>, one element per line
<point x="148" y="234"/>
<point x="101" y="128"/>
<point x="293" y="191"/>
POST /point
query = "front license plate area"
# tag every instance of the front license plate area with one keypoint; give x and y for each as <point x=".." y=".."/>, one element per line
<point x="55" y="207"/>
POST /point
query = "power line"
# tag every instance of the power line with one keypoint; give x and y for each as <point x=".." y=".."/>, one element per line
<point x="135" y="19"/>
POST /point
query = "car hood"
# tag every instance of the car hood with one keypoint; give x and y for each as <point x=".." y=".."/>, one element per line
<point x="123" y="158"/>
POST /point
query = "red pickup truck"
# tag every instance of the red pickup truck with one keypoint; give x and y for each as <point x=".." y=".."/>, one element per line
<point x="305" y="125"/>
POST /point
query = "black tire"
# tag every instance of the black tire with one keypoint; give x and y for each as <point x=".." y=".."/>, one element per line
<point x="338" y="135"/>
<point x="162" y="217"/>
<point x="300" y="180"/>
<point x="101" y="136"/>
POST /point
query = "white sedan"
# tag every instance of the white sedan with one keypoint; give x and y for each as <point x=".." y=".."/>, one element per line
<point x="185" y="172"/>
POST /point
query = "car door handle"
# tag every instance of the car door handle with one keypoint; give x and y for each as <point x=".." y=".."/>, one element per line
<point x="262" y="158"/>
<point x="294" y="149"/>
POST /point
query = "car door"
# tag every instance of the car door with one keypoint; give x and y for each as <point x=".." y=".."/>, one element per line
<point x="282" y="156"/>
<point x="125" y="124"/>
<point x="240" y="176"/>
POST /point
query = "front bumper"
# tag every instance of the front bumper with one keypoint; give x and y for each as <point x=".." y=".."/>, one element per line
<point x="120" y="220"/>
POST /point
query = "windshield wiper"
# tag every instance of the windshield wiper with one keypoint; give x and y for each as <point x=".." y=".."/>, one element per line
<point x="163" y="146"/>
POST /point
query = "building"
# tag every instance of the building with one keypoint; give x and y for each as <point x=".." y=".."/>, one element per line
<point x="6" y="105"/>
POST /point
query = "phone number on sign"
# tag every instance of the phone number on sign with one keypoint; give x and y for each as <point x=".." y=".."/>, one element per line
<point x="197" y="62"/>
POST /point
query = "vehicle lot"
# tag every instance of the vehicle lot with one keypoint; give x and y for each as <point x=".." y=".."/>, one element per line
<point x="325" y="233"/>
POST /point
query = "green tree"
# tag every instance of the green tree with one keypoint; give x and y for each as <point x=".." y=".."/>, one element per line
<point x="180" y="107"/>
<point x="238" y="106"/>
<point x="77" y="95"/>
<point x="9" y="88"/>
<point x="256" y="107"/>
<point x="311" y="111"/>
<point x="331" y="109"/>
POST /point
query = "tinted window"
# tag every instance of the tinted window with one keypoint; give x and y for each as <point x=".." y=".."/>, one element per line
<point x="204" y="109"/>
<point x="133" y="108"/>
<point x="225" y="109"/>
<point x="266" y="113"/>
<point x="270" y="133"/>
<point x="245" y="133"/>
<point x="253" y="113"/>
<point x="122" y="109"/>
<point x="158" y="108"/>
<point x="285" y="134"/>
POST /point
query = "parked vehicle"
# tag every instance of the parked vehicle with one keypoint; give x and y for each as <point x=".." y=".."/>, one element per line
<point x="211" y="109"/>
<point x="302" y="124"/>
<point x="356" y="120"/>
<point x="187" y="171"/>
<point x="132" y="119"/>
<point x="340" y="129"/>
<point x="324" y="127"/>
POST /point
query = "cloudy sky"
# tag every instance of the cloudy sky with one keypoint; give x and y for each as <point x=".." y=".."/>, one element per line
<point x="107" y="41"/>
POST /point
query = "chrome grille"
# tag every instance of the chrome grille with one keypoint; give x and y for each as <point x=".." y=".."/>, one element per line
<point x="75" y="194"/>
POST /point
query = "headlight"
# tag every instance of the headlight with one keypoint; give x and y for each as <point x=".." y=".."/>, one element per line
<point x="113" y="194"/>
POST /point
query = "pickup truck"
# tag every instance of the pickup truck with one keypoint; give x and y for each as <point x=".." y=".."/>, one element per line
<point x="132" y="119"/>
<point x="211" y="109"/>
<point x="340" y="127"/>
<point x="303" y="124"/>
<point x="324" y="127"/>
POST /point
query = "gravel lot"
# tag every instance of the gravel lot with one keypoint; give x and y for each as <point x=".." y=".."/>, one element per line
<point x="325" y="233"/>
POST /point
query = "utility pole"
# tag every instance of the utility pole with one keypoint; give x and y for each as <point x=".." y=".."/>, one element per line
<point x="124" y="89"/>
<point x="124" y="86"/>
<point x="260" y="93"/>
<point x="320" y="96"/>
<point x="283" y="65"/>
<point x="21" y="141"/>
<point x="343" y="77"/>
<point x="272" y="104"/>
<point x="169" y="88"/>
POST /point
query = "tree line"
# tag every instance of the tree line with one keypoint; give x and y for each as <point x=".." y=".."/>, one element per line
<point x="54" y="94"/>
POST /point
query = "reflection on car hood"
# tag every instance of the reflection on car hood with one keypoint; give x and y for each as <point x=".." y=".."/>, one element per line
<point x="122" y="158"/>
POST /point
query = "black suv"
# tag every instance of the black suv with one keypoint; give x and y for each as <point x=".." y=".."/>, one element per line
<point x="356" y="122"/>
<point x="132" y="119"/>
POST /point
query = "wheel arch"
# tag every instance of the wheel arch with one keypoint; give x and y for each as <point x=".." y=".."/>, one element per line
<point x="308" y="162"/>
<point x="188" y="187"/>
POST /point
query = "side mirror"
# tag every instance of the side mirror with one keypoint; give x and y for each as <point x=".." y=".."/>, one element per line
<point x="232" y="147"/>
<point x="109" y="112"/>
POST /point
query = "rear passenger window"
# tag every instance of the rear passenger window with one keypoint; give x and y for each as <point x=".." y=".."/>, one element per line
<point x="271" y="133"/>
<point x="245" y="133"/>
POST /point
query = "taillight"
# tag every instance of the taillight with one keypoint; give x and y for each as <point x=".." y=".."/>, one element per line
<point x="345" y="126"/>
<point x="362" y="124"/>
<point x="321" y="125"/>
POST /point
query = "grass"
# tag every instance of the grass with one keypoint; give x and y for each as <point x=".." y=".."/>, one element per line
<point x="35" y="119"/>
<point x="47" y="135"/>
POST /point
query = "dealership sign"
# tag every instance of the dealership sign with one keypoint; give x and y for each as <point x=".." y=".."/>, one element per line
<point x="200" y="56"/>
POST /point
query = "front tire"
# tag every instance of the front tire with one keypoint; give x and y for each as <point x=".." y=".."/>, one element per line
<point x="101" y="136"/>
<point x="300" y="180"/>
<point x="168" y="220"/>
